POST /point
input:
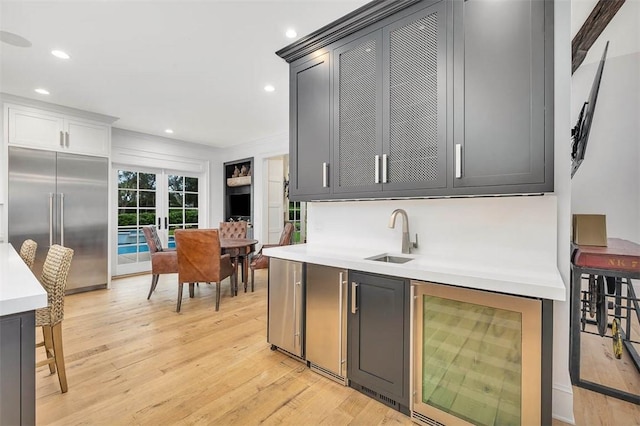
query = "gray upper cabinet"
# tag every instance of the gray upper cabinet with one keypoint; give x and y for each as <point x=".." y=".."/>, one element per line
<point x="358" y="114"/>
<point x="415" y="141"/>
<point x="426" y="98"/>
<point x="310" y="127"/>
<point x="502" y="83"/>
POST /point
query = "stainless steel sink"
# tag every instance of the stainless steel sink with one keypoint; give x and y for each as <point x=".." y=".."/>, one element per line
<point x="389" y="258"/>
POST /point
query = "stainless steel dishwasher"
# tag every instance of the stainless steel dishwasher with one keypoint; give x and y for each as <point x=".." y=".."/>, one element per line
<point x="326" y="321"/>
<point x="286" y="316"/>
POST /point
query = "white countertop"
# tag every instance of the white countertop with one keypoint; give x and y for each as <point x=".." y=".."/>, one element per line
<point x="20" y="290"/>
<point x="517" y="276"/>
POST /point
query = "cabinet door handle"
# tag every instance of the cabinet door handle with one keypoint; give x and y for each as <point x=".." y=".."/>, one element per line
<point x="61" y="138"/>
<point x="384" y="168"/>
<point x="354" y="294"/>
<point x="66" y="136"/>
<point x="377" y="166"/>
<point x="458" y="161"/>
<point x="325" y="175"/>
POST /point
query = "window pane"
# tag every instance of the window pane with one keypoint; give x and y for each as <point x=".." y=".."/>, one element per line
<point x="127" y="179"/>
<point x="147" y="199"/>
<point x="147" y="217"/>
<point x="191" y="184"/>
<point x="175" y="199"/>
<point x="191" y="200"/>
<point x="172" y="230"/>
<point x="191" y="216"/>
<point x="127" y="198"/>
<point x="127" y="217"/>
<point x="175" y="216"/>
<point x="192" y="226"/>
<point x="147" y="181"/>
<point x="175" y="183"/>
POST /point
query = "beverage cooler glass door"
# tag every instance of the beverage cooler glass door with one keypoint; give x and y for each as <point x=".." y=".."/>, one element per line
<point x="477" y="357"/>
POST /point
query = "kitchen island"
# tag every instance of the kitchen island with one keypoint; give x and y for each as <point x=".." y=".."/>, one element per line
<point x="20" y="295"/>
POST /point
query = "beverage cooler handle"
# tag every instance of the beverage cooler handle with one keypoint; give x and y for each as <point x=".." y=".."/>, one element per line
<point x="340" y="317"/>
<point x="62" y="219"/>
<point x="354" y="293"/>
<point x="295" y="285"/>
<point x="50" y="219"/>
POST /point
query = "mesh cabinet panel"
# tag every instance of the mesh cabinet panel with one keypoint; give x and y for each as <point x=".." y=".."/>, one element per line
<point x="357" y="115"/>
<point x="413" y="97"/>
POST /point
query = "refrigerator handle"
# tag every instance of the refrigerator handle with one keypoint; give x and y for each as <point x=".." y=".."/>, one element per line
<point x="62" y="219"/>
<point x="354" y="293"/>
<point x="50" y="219"/>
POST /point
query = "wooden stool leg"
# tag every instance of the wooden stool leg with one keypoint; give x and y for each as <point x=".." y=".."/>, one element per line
<point x="59" y="355"/>
<point x="48" y="345"/>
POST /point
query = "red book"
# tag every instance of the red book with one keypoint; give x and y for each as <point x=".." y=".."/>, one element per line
<point x="619" y="255"/>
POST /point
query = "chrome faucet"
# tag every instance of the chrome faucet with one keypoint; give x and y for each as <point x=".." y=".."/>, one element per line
<point x="406" y="243"/>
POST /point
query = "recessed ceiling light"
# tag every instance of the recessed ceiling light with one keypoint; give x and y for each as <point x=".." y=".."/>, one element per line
<point x="269" y="88"/>
<point x="291" y="33"/>
<point x="170" y="131"/>
<point x="60" y="54"/>
<point x="42" y="91"/>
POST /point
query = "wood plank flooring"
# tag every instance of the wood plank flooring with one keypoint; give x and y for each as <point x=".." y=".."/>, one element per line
<point x="136" y="361"/>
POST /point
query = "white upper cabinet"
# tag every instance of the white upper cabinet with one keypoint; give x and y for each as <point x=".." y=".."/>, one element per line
<point x="36" y="128"/>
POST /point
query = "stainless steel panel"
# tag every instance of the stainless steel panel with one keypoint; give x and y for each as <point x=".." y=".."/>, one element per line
<point x="82" y="187"/>
<point x="285" y="307"/>
<point x="326" y="313"/>
<point x="32" y="183"/>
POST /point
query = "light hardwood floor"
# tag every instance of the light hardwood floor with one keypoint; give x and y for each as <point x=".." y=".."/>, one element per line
<point x="133" y="361"/>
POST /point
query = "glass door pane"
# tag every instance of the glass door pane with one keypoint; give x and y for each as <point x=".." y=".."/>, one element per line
<point x="183" y="204"/>
<point x="137" y="207"/>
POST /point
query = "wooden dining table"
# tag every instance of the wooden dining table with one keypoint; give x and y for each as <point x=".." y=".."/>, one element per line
<point x="236" y="248"/>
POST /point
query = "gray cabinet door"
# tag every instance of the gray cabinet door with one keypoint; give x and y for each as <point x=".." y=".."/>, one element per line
<point x="310" y="115"/>
<point x="358" y="115"/>
<point x="499" y="96"/>
<point x="415" y="140"/>
<point x="378" y="335"/>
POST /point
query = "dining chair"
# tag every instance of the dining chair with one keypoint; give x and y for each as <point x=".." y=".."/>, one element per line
<point x="28" y="252"/>
<point x="236" y="230"/>
<point x="260" y="261"/>
<point x="200" y="260"/>
<point x="54" y="280"/>
<point x="163" y="260"/>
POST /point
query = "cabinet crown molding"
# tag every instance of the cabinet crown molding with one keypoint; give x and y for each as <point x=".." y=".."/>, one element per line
<point x="348" y="24"/>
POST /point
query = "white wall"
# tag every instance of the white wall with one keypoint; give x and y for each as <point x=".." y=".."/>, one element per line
<point x="259" y="150"/>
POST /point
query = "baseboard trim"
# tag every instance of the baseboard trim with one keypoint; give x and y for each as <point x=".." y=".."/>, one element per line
<point x="563" y="404"/>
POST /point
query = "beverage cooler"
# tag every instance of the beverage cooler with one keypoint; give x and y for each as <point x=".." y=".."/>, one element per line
<point x="478" y="357"/>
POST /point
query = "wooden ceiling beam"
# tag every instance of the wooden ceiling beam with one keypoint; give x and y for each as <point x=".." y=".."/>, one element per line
<point x="593" y="26"/>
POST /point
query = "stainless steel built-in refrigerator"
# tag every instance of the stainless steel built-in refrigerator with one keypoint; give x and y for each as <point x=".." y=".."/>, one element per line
<point x="60" y="198"/>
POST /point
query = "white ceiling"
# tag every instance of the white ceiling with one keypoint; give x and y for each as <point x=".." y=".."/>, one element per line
<point x="197" y="67"/>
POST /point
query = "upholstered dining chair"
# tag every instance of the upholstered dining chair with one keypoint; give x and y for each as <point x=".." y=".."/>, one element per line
<point x="54" y="280"/>
<point x="28" y="252"/>
<point x="260" y="261"/>
<point x="163" y="260"/>
<point x="200" y="260"/>
<point x="236" y="230"/>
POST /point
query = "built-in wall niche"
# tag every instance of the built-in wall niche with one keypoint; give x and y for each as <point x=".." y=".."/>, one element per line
<point x="238" y="190"/>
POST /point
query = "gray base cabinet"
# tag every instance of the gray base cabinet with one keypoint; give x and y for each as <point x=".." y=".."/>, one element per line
<point x="17" y="369"/>
<point x="378" y="338"/>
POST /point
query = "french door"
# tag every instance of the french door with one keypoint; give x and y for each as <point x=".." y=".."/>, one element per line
<point x="165" y="199"/>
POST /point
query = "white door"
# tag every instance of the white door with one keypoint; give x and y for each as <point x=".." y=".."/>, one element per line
<point x="167" y="200"/>
<point x="275" y="199"/>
